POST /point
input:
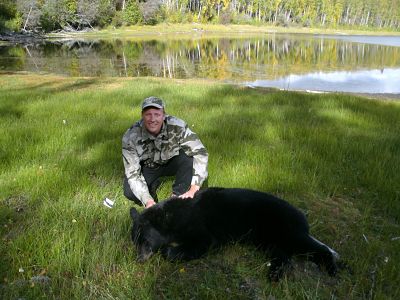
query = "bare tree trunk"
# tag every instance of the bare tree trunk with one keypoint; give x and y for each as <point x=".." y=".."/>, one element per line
<point x="367" y="18"/>
<point x="346" y="18"/>
<point x="288" y="16"/>
<point x="198" y="17"/>
<point x="27" y="18"/>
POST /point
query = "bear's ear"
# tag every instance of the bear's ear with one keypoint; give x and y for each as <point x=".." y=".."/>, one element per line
<point x="134" y="213"/>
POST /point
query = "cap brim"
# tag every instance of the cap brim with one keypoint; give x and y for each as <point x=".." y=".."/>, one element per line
<point x="152" y="105"/>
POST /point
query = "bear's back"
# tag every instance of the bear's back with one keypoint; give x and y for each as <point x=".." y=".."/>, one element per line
<point x="241" y="210"/>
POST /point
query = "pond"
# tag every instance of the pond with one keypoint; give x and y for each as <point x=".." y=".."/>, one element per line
<point x="361" y="64"/>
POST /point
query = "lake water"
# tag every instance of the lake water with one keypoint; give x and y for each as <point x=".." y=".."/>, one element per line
<point x="361" y="64"/>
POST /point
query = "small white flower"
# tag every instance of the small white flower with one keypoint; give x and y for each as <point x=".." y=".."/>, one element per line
<point x="64" y="122"/>
<point x="21" y="270"/>
<point x="386" y="260"/>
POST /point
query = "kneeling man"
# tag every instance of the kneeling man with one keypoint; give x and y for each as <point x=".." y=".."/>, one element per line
<point x="161" y="145"/>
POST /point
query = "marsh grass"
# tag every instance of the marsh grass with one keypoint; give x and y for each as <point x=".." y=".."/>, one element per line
<point x="336" y="157"/>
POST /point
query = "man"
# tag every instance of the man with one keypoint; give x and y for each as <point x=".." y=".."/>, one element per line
<point x="161" y="145"/>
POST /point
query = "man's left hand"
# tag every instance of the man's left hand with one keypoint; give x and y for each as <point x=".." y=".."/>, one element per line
<point x="190" y="193"/>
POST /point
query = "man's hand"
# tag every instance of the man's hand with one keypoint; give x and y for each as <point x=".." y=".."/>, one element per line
<point x="150" y="203"/>
<point x="190" y="193"/>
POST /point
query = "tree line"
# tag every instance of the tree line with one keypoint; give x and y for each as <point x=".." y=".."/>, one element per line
<point x="51" y="15"/>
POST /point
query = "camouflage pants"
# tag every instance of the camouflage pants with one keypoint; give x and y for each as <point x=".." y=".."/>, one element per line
<point x="180" y="166"/>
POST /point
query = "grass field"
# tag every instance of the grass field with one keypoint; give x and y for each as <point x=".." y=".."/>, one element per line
<point x="335" y="156"/>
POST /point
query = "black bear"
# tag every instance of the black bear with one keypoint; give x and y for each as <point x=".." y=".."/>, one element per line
<point x="187" y="228"/>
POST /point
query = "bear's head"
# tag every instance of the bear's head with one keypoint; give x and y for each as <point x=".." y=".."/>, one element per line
<point x="145" y="236"/>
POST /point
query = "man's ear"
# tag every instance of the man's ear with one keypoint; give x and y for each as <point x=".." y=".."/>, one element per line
<point x="134" y="213"/>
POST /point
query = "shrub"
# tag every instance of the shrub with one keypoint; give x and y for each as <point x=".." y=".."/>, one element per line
<point x="242" y="19"/>
<point x="14" y="24"/>
<point x="225" y="17"/>
<point x="157" y="17"/>
<point x="132" y="14"/>
<point x="117" y="19"/>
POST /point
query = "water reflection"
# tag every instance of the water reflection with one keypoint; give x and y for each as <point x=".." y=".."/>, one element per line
<point x="368" y="39"/>
<point x="267" y="58"/>
<point x="374" y="81"/>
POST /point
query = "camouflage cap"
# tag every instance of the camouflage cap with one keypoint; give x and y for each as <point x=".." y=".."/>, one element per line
<point x="153" y="102"/>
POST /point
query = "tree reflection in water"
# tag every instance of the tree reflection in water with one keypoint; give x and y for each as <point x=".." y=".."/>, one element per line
<point x="234" y="59"/>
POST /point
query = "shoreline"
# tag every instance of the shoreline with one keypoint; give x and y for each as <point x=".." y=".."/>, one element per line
<point x="371" y="96"/>
<point x="170" y="30"/>
<point x="189" y="28"/>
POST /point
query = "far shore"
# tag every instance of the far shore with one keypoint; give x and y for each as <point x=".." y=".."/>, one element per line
<point x="197" y="28"/>
<point x="189" y="30"/>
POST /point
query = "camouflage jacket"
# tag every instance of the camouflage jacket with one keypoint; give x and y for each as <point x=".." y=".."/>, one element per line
<point x="140" y="147"/>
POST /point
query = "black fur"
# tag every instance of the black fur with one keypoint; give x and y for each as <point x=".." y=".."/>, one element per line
<point x="187" y="228"/>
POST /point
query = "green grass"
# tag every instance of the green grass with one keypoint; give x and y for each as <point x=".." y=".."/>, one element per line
<point x="169" y="30"/>
<point x="336" y="157"/>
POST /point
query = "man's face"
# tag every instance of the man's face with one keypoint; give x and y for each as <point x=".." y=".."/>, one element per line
<point x="153" y="120"/>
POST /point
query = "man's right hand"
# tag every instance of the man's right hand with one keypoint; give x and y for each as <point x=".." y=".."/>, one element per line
<point x="150" y="203"/>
